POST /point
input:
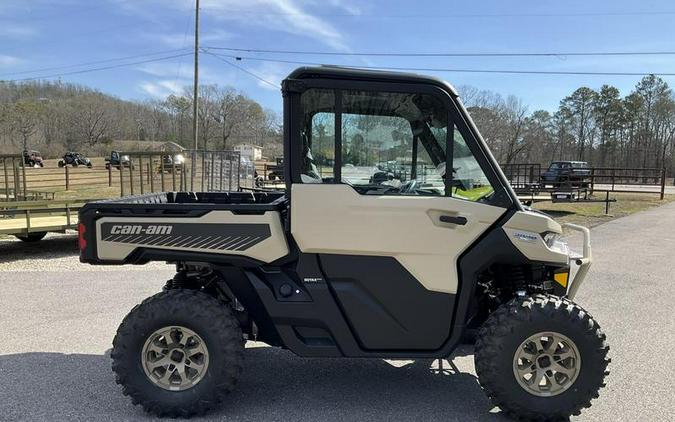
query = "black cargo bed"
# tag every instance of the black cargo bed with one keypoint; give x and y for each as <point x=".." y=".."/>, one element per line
<point x="251" y="202"/>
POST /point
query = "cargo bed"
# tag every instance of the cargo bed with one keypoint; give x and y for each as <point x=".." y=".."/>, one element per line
<point x="184" y="226"/>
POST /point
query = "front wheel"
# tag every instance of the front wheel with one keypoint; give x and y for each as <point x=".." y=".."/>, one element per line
<point x="31" y="237"/>
<point x="541" y="358"/>
<point x="178" y="353"/>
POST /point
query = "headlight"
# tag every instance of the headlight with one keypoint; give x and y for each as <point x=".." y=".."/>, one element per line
<point x="178" y="159"/>
<point x="550" y="238"/>
<point x="554" y="243"/>
<point x="125" y="157"/>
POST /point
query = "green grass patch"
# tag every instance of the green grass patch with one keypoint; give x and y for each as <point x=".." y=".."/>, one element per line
<point x="593" y="213"/>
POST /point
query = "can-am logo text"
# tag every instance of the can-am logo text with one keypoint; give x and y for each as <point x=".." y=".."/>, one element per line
<point x="137" y="229"/>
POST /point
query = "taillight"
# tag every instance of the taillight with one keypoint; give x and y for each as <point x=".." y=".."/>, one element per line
<point x="81" y="241"/>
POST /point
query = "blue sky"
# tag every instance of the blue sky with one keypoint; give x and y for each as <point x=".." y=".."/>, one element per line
<point x="37" y="34"/>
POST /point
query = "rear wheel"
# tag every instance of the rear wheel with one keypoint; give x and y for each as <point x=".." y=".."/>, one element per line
<point x="178" y="353"/>
<point x="31" y="237"/>
<point x="541" y="358"/>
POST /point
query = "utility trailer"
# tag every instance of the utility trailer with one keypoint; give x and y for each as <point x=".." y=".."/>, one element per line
<point x="346" y="264"/>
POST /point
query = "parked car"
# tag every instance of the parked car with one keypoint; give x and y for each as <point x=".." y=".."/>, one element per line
<point x="32" y="158"/>
<point x="566" y="172"/>
<point x="74" y="159"/>
<point x="117" y="160"/>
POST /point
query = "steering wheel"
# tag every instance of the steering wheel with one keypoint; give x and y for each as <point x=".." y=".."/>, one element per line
<point x="409" y="187"/>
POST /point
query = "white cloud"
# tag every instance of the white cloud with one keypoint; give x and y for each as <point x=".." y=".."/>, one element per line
<point x="182" y="70"/>
<point x="162" y="88"/>
<point x="7" y="61"/>
<point x="291" y="16"/>
<point x="271" y="72"/>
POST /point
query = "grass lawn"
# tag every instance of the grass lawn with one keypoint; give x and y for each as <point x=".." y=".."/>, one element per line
<point x="593" y="214"/>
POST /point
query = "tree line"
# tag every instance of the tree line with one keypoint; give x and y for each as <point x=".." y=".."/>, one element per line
<point x="595" y="125"/>
<point x="54" y="117"/>
<point x="598" y="126"/>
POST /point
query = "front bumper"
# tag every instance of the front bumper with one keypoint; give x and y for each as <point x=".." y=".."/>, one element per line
<point x="583" y="261"/>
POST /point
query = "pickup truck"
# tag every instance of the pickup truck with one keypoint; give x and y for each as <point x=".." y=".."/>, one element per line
<point x="343" y="263"/>
<point x="567" y="174"/>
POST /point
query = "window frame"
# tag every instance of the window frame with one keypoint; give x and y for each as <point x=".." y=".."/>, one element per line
<point x="456" y="120"/>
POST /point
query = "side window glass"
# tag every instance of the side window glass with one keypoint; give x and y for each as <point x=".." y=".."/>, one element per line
<point x="387" y="144"/>
<point x="469" y="182"/>
<point x="318" y="136"/>
<point x="375" y="149"/>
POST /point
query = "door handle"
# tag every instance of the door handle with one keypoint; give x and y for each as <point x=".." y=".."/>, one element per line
<point x="460" y="221"/>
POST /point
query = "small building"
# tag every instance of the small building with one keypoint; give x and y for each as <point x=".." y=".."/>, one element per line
<point x="252" y="152"/>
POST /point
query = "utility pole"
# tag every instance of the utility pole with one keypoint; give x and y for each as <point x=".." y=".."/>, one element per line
<point x="196" y="80"/>
<point x="195" y="98"/>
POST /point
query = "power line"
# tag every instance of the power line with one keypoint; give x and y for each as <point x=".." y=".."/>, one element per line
<point x="457" y="70"/>
<point x="222" y="59"/>
<point x="97" y="69"/>
<point x="49" y="69"/>
<point x="486" y="54"/>
<point x="457" y="15"/>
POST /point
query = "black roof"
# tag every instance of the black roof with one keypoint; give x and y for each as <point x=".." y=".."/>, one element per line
<point x="337" y="72"/>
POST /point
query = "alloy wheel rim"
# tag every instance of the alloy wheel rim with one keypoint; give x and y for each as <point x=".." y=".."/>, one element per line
<point x="546" y="364"/>
<point x="175" y="358"/>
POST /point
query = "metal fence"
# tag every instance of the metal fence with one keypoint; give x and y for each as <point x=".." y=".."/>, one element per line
<point x="135" y="172"/>
<point x="203" y="171"/>
<point x="525" y="178"/>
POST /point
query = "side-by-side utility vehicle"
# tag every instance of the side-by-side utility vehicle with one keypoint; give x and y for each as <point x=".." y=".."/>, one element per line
<point x="346" y="264"/>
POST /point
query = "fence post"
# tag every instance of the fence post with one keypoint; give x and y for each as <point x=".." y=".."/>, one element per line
<point x="4" y="165"/>
<point x="161" y="172"/>
<point x="17" y="179"/>
<point x="131" y="178"/>
<point x="151" y="176"/>
<point x="122" y="178"/>
<point x="140" y="168"/>
<point x="663" y="182"/>
<point x="110" y="174"/>
<point x="613" y="177"/>
<point x="203" y="169"/>
<point x="67" y="178"/>
<point x="23" y="174"/>
<point x="592" y="179"/>
<point x="239" y="173"/>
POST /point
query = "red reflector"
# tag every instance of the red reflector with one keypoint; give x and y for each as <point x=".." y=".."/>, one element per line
<point x="81" y="241"/>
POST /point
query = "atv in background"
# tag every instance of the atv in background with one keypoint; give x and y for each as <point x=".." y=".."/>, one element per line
<point x="276" y="171"/>
<point x="32" y="158"/>
<point x="74" y="159"/>
<point x="117" y="160"/>
<point x="572" y="173"/>
<point x="173" y="162"/>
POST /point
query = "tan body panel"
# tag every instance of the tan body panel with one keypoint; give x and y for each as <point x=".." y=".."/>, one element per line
<point x="268" y="250"/>
<point x="334" y="218"/>
<point x="524" y="229"/>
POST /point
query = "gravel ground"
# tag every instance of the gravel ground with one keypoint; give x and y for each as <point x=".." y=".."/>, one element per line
<point x="57" y="325"/>
<point x="56" y="252"/>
